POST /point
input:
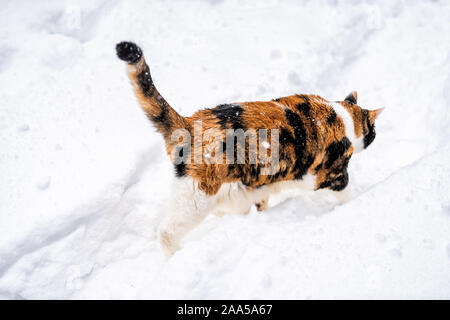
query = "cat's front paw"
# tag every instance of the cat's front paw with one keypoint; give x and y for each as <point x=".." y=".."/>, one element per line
<point x="343" y="196"/>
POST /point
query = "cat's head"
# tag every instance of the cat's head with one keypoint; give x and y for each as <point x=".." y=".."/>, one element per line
<point x="364" y="120"/>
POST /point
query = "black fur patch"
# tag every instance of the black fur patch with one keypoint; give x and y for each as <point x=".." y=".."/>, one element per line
<point x="304" y="97"/>
<point x="162" y="117"/>
<point x="303" y="161"/>
<point x="285" y="137"/>
<point x="145" y="82"/>
<point x="370" y="136"/>
<point x="318" y="167"/>
<point x="180" y="170"/>
<point x="336" y="150"/>
<point x="128" y="52"/>
<point x="229" y="114"/>
<point x="304" y="108"/>
<point x="296" y="123"/>
<point x="331" y="119"/>
<point x="350" y="98"/>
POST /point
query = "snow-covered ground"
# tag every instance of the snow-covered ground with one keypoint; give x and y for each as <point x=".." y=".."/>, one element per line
<point x="84" y="179"/>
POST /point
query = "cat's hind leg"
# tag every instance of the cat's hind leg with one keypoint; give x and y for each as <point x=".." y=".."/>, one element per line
<point x="188" y="207"/>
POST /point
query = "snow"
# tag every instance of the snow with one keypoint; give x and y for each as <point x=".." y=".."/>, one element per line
<point x="84" y="179"/>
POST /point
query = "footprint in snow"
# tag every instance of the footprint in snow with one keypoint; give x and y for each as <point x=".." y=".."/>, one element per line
<point x="396" y="252"/>
<point x="24" y="128"/>
<point x="43" y="183"/>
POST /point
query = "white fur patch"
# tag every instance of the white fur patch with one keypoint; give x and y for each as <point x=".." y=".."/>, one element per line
<point x="357" y="143"/>
<point x="236" y="198"/>
<point x="189" y="205"/>
<point x="233" y="198"/>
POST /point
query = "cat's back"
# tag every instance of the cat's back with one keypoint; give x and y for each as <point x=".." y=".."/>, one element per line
<point x="272" y="114"/>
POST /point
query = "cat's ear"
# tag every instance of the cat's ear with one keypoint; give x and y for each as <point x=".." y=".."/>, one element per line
<point x="352" y="97"/>
<point x="373" y="114"/>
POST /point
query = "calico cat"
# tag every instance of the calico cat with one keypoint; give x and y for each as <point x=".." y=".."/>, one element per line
<point x="313" y="144"/>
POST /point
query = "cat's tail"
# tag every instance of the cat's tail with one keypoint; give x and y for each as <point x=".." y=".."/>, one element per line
<point x="163" y="116"/>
